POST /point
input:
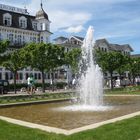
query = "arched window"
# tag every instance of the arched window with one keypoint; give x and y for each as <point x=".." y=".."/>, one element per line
<point x="102" y="49"/>
<point x="22" y="22"/>
<point x="7" y="19"/>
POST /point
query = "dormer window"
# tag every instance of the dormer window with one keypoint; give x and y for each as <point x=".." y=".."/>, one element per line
<point x="7" y="19"/>
<point x="22" y="22"/>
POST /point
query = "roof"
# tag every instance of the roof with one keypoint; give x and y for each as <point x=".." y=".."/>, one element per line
<point x="100" y="41"/>
<point x="135" y="55"/>
<point x="117" y="47"/>
<point x="113" y="47"/>
<point x="61" y="37"/>
<point x="41" y="13"/>
<point x="80" y="38"/>
<point x="15" y="18"/>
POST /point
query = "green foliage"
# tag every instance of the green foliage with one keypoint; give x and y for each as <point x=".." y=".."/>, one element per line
<point x="15" y="61"/>
<point x="14" y="64"/>
<point x="111" y="61"/>
<point x="72" y="58"/>
<point x="134" y="66"/>
<point x="3" y="47"/>
<point x="44" y="57"/>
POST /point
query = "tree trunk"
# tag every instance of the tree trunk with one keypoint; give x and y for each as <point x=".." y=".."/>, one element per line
<point x="111" y="76"/>
<point x="133" y="78"/>
<point x="52" y="76"/>
<point x="43" y="82"/>
<point x="15" y="74"/>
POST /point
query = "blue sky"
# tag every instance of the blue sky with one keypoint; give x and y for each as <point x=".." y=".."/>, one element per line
<point x="116" y="20"/>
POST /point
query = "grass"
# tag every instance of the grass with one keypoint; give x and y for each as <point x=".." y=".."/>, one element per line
<point x="127" y="90"/>
<point x="123" y="130"/>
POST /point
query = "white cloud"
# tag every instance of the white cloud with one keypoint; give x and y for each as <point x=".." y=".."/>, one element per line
<point x="59" y="14"/>
<point x="65" y="19"/>
<point x="75" y="29"/>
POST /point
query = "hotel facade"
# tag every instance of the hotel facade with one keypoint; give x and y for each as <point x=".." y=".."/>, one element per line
<point x="19" y="27"/>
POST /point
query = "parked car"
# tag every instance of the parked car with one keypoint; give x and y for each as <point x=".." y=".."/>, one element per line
<point x="4" y="86"/>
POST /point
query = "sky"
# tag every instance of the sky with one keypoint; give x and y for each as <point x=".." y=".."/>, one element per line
<point x="116" y="20"/>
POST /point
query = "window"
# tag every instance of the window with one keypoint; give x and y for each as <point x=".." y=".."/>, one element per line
<point x="41" y="26"/>
<point x="19" y="39"/>
<point x="6" y="76"/>
<point x="35" y="75"/>
<point x="39" y="76"/>
<point x="27" y="74"/>
<point x="11" y="75"/>
<point x="67" y="50"/>
<point x="34" y="25"/>
<point x="0" y="37"/>
<point x="0" y="75"/>
<point x="11" y="37"/>
<point x="56" y="75"/>
<point x="20" y="76"/>
<point x="41" y="39"/>
<point x="48" y="75"/>
<point x="34" y="39"/>
<point x="7" y="19"/>
<point x="47" y="39"/>
<point x="30" y="39"/>
<point x="23" y="39"/>
<point x="22" y="22"/>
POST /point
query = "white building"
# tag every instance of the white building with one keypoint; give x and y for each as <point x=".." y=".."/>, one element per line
<point x="101" y="44"/>
<point x="19" y="27"/>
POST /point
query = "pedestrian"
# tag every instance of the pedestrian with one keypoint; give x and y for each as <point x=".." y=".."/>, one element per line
<point x="31" y="86"/>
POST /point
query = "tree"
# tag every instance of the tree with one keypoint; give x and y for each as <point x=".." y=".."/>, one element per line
<point x="72" y="58"/>
<point x="55" y="59"/>
<point x="35" y="56"/>
<point x="44" y="57"/>
<point x="123" y="65"/>
<point x="110" y="61"/>
<point x="134" y="67"/>
<point x="3" y="47"/>
<point x="14" y="64"/>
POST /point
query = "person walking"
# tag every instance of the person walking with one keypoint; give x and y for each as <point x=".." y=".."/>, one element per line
<point x="31" y="86"/>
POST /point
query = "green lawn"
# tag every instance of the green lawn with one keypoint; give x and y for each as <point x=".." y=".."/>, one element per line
<point x="123" y="130"/>
<point x="127" y="90"/>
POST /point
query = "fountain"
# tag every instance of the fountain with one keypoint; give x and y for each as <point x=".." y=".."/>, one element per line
<point x="91" y="81"/>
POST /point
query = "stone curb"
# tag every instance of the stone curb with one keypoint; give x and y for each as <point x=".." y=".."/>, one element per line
<point x="63" y="131"/>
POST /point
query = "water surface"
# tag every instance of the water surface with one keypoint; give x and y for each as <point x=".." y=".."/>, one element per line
<point x="54" y="114"/>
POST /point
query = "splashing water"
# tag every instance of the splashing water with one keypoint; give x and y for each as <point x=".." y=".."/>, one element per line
<point x="91" y="79"/>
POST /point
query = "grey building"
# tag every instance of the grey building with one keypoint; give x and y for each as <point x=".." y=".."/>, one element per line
<point x="101" y="44"/>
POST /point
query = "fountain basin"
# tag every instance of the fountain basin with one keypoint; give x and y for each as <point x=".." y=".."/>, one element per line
<point x="55" y="114"/>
